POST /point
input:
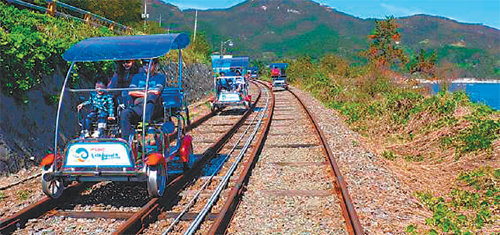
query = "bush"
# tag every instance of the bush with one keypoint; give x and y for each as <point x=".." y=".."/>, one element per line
<point x="353" y="110"/>
<point x="371" y="98"/>
<point x="334" y="65"/>
<point x="403" y="104"/>
<point x="479" y="136"/>
<point x="31" y="45"/>
<point x="463" y="211"/>
<point x="442" y="103"/>
<point x="301" y="69"/>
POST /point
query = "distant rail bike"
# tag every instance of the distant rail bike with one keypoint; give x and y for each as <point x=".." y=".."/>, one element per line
<point x="147" y="153"/>
<point x="278" y="75"/>
<point x="230" y="84"/>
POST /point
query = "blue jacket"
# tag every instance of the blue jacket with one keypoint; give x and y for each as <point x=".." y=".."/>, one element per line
<point x="101" y="103"/>
<point x="156" y="82"/>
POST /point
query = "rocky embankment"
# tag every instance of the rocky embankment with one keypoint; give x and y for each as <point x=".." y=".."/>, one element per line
<point x="27" y="130"/>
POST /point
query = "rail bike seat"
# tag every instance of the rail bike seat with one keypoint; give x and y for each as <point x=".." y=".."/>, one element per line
<point x="172" y="97"/>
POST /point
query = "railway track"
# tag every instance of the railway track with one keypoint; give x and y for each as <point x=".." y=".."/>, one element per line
<point x="92" y="208"/>
<point x="279" y="135"/>
<point x="201" y="203"/>
<point x="296" y="184"/>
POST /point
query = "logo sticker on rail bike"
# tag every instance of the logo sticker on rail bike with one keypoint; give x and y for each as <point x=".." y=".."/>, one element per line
<point x="81" y="154"/>
<point x="230" y="97"/>
<point x="107" y="154"/>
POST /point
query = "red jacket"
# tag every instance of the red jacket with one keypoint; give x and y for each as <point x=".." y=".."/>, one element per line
<point x="275" y="72"/>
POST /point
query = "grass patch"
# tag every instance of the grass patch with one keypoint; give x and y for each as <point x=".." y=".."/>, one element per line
<point x="389" y="155"/>
<point x="479" y="136"/>
<point x="265" y="78"/>
<point x="464" y="211"/>
<point x="414" y="158"/>
<point x="23" y="195"/>
<point x="2" y="196"/>
<point x="374" y="106"/>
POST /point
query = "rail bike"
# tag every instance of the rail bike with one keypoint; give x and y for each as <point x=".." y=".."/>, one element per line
<point x="278" y="75"/>
<point x="151" y="149"/>
<point x="254" y="72"/>
<point x="230" y="84"/>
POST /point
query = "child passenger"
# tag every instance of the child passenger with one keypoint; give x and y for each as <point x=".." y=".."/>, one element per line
<point x="102" y="109"/>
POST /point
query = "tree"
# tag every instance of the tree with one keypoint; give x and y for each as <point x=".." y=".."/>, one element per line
<point x="261" y="66"/>
<point x="122" y="11"/>
<point x="300" y="69"/>
<point x="446" y="73"/>
<point x="201" y="45"/>
<point x="424" y="63"/>
<point x="384" y="50"/>
<point x="334" y="65"/>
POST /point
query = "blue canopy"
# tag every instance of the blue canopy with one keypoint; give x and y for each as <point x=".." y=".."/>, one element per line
<point x="125" y="47"/>
<point x="279" y="65"/>
<point x="235" y="62"/>
<point x="253" y="69"/>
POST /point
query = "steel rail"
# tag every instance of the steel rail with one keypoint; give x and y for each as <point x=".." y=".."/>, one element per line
<point x="226" y="213"/>
<point x="20" y="181"/>
<point x="215" y="195"/>
<point x="348" y="210"/>
<point x="150" y="212"/>
<point x="208" y="181"/>
<point x="39" y="208"/>
<point x="349" y="213"/>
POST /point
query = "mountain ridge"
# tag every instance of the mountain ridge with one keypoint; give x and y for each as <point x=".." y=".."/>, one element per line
<point x="272" y="29"/>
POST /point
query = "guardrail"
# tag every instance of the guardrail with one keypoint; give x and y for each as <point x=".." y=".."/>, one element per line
<point x="88" y="17"/>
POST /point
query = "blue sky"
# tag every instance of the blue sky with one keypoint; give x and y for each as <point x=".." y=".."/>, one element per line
<point x="486" y="12"/>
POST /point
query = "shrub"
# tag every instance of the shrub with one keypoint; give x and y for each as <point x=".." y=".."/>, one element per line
<point x="463" y="211"/>
<point x="442" y="103"/>
<point x="479" y="136"/>
<point x="403" y="104"/>
<point x="354" y="111"/>
<point x="301" y="69"/>
<point x="31" y="45"/>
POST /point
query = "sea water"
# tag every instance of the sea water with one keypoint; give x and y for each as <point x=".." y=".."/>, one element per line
<point x="482" y="92"/>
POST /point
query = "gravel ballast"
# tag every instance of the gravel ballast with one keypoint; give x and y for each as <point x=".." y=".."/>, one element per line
<point x="383" y="203"/>
<point x="290" y="190"/>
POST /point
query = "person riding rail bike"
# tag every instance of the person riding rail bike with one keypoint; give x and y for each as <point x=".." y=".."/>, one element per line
<point x="133" y="114"/>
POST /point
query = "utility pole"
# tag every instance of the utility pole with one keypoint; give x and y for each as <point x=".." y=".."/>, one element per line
<point x="221" y="45"/>
<point x="195" y="25"/>
<point x="145" y="15"/>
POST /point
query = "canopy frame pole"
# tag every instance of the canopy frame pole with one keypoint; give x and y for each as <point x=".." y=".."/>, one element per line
<point x="53" y="167"/>
<point x="180" y="68"/>
<point x="215" y="83"/>
<point x="144" y="103"/>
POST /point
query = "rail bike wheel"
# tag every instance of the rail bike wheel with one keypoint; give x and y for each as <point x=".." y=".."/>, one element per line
<point x="157" y="179"/>
<point x="51" y="186"/>
<point x="213" y="107"/>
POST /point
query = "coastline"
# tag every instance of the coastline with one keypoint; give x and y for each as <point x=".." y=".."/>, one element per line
<point x="461" y="80"/>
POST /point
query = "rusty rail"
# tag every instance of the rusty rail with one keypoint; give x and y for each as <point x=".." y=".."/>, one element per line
<point x="348" y="211"/>
<point x="19" y="219"/>
<point x="150" y="212"/>
<point x="226" y="213"/>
